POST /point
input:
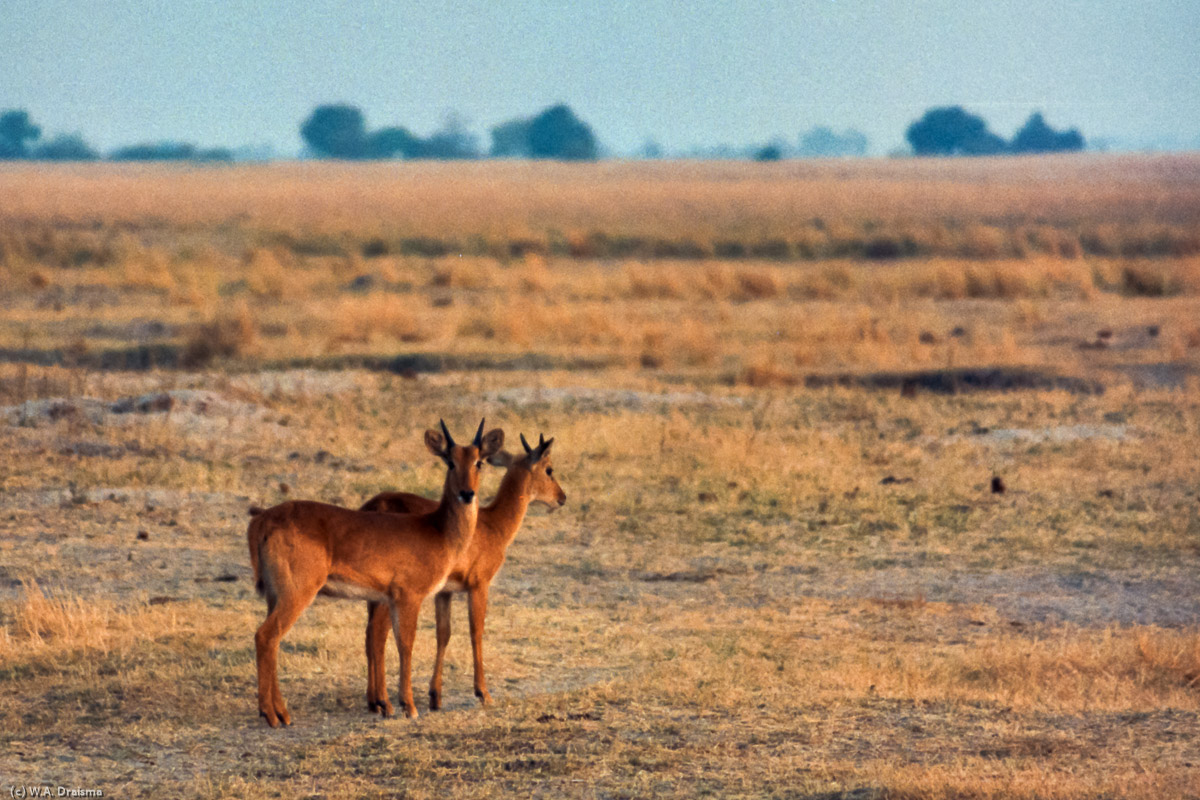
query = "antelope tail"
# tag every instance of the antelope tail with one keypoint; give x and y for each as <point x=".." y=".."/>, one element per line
<point x="254" y="540"/>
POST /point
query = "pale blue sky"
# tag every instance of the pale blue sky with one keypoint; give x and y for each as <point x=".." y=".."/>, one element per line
<point x="218" y="72"/>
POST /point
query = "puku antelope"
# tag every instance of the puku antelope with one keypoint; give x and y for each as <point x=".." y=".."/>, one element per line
<point x="299" y="549"/>
<point x="530" y="478"/>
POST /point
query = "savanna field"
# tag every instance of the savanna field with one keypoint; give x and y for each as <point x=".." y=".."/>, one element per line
<point x="882" y="476"/>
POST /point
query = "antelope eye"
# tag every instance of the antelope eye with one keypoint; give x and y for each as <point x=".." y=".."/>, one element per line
<point x="478" y="465"/>
<point x="549" y="471"/>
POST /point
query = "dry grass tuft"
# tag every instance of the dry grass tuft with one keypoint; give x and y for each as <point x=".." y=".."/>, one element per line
<point x="267" y="272"/>
<point x="765" y="373"/>
<point x="378" y="316"/>
<point x="227" y="336"/>
<point x="758" y="284"/>
<point x="465" y="273"/>
<point x="36" y="623"/>
<point x="984" y="242"/>
<point x="650" y="281"/>
<point x="1114" y="669"/>
<point x="986" y="779"/>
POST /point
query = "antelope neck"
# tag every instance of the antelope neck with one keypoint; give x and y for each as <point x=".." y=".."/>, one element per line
<point x="455" y="518"/>
<point x="506" y="513"/>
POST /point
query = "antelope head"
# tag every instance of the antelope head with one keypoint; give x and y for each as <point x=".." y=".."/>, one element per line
<point x="543" y="486"/>
<point x="463" y="462"/>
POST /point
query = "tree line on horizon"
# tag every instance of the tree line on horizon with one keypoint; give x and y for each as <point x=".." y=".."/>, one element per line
<point x="339" y="131"/>
<point x="21" y="139"/>
<point x="953" y="131"/>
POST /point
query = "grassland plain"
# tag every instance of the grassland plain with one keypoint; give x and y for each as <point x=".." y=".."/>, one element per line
<point x="782" y="570"/>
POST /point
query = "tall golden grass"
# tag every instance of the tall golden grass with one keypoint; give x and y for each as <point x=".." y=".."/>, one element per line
<point x="1108" y="206"/>
<point x="37" y="624"/>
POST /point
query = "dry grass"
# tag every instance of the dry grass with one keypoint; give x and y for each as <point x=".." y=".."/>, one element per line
<point x="777" y="275"/>
<point x="729" y="318"/>
<point x="758" y="588"/>
<point x="226" y="336"/>
<point x="44" y="627"/>
<point x="782" y="648"/>
<point x="1122" y="206"/>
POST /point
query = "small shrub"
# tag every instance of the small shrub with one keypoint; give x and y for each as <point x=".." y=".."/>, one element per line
<point x="678" y="248"/>
<point x="758" y="284"/>
<point x="729" y="249"/>
<point x="882" y="247"/>
<point x="374" y="248"/>
<point x="774" y="249"/>
<point x="1146" y="280"/>
<point x="224" y="337"/>
<point x="580" y="245"/>
<point x="477" y="326"/>
<point x="427" y="246"/>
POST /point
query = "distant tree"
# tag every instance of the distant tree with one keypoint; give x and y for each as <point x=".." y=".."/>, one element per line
<point x="985" y="143"/>
<point x="558" y="133"/>
<point x="822" y="142"/>
<point x="15" y="131"/>
<point x="392" y="142"/>
<point x="155" y="151"/>
<point x="949" y="131"/>
<point x="772" y="151"/>
<point x="222" y="154"/>
<point x="169" y="151"/>
<point x="651" y="150"/>
<point x="1036" y="136"/>
<point x="65" y="147"/>
<point x="511" y="139"/>
<point x="452" y="141"/>
<point x="336" y="131"/>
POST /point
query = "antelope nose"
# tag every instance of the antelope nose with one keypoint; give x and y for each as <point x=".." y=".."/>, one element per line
<point x="562" y="499"/>
<point x="466" y="497"/>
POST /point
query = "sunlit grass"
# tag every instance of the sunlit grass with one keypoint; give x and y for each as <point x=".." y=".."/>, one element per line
<point x="761" y="585"/>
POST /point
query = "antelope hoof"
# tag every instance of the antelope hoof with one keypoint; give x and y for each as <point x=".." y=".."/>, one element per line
<point x="275" y="717"/>
<point x="485" y="699"/>
<point x="382" y="706"/>
<point x="411" y="712"/>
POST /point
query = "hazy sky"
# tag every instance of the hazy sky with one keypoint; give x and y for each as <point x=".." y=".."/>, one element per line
<point x="222" y="72"/>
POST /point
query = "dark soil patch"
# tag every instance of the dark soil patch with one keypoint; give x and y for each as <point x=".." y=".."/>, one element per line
<point x="960" y="381"/>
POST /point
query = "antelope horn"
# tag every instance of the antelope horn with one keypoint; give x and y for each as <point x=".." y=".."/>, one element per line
<point x="543" y="444"/>
<point x="525" y="444"/>
<point x="446" y="433"/>
<point x="479" y="434"/>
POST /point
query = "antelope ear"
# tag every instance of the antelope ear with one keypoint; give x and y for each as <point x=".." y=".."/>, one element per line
<point x="493" y="440"/>
<point x="502" y="459"/>
<point x="436" y="443"/>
